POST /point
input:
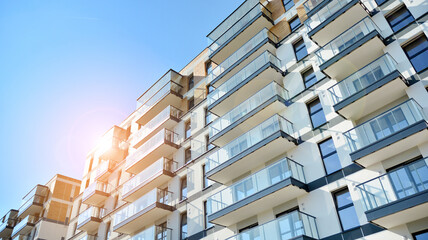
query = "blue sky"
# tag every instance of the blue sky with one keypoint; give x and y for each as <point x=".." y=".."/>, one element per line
<point x="69" y="70"/>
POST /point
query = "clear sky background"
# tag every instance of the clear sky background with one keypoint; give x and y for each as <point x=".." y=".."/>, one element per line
<point x="69" y="70"/>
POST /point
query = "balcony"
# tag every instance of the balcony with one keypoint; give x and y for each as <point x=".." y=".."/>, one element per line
<point x="32" y="203"/>
<point x="267" y="140"/>
<point x="168" y="118"/>
<point x="109" y="147"/>
<point x="89" y="220"/>
<point x="104" y="169"/>
<point x="398" y="197"/>
<point x="327" y="19"/>
<point x="162" y="144"/>
<point x="154" y="233"/>
<point x="144" y="212"/>
<point x="292" y="226"/>
<point x="7" y="223"/>
<point x="269" y="100"/>
<point x="238" y="28"/>
<point x="96" y="194"/>
<point x="165" y="92"/>
<point x="277" y="183"/>
<point x="152" y="177"/>
<point x="368" y="89"/>
<point x="351" y="50"/>
<point x="245" y="83"/>
<point x="392" y="132"/>
<point x="24" y="226"/>
<point x="261" y="42"/>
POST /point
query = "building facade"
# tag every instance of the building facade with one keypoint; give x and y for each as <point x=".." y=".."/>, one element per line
<point x="300" y="120"/>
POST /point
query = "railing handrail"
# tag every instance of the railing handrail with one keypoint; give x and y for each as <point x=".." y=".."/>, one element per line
<point x="154" y="84"/>
<point x="160" y="89"/>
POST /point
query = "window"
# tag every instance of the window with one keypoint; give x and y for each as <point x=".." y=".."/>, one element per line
<point x="191" y="82"/>
<point x="388" y="124"/>
<point x="247" y="234"/>
<point x="208" y="116"/>
<point x="208" y="144"/>
<point x="108" y="231"/>
<point x="190" y="103"/>
<point x="183" y="224"/>
<point x="207" y="224"/>
<point x="417" y="52"/>
<point x="208" y="67"/>
<point x="210" y="88"/>
<point x="316" y="113"/>
<point x="423" y="235"/>
<point x="380" y="2"/>
<point x="400" y="19"/>
<point x="162" y="232"/>
<point x="329" y="156"/>
<point x="288" y="4"/>
<point x="188" y="129"/>
<point x="309" y="77"/>
<point x="300" y="49"/>
<point x="183" y="188"/>
<point x="206" y="182"/>
<point x="346" y="210"/>
<point x="187" y="155"/>
<point x="294" y="23"/>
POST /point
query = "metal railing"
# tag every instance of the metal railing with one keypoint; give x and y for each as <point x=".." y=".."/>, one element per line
<point x="403" y="182"/>
<point x="384" y="125"/>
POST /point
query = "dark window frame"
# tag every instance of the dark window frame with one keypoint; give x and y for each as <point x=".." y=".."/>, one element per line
<point x="190" y="103"/>
<point x="419" y="233"/>
<point x="286" y="4"/>
<point x="328" y="155"/>
<point x="191" y="82"/>
<point x="292" y="20"/>
<point x="313" y="113"/>
<point x="187" y="155"/>
<point x="304" y="74"/>
<point x="297" y="47"/>
<point x="396" y="11"/>
<point x="183" y="195"/>
<point x="187" y="129"/>
<point x="420" y="52"/>
<point x="183" y="216"/>
<point x="207" y="224"/>
<point x="337" y="208"/>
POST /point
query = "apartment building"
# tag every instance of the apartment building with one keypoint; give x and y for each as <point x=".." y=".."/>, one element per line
<point x="300" y="120"/>
<point x="44" y="212"/>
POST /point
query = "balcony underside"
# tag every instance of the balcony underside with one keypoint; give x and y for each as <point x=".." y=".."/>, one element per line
<point x="172" y="98"/>
<point x="267" y="149"/>
<point x="372" y="98"/>
<point x="354" y="57"/>
<point x="97" y="198"/>
<point x="114" y="153"/>
<point x="242" y="36"/>
<point x="276" y="104"/>
<point x="166" y="149"/>
<point x="400" y="212"/>
<point x="267" y="44"/>
<point x="394" y="144"/>
<point x="275" y="195"/>
<point x="338" y="23"/>
<point x="144" y="218"/>
<point x="155" y="181"/>
<point x="104" y="176"/>
<point x="33" y="210"/>
<point x="170" y="123"/>
<point x="6" y="232"/>
<point x="90" y="226"/>
<point x="248" y="87"/>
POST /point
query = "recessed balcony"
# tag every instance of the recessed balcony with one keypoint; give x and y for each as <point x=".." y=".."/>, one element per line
<point x="295" y="225"/>
<point x="238" y="28"/>
<point x="154" y="233"/>
<point x="261" y="42"/>
<point x="89" y="220"/>
<point x="32" y="203"/>
<point x="145" y="211"/>
<point x="368" y="89"/>
<point x="327" y="19"/>
<point x="104" y="169"/>
<point x="264" y="142"/>
<point x="351" y="50"/>
<point x="245" y="83"/>
<point x="279" y="182"/>
<point x="162" y="144"/>
<point x="388" y="134"/>
<point x="165" y="92"/>
<point x="271" y="99"/>
<point x="24" y="226"/>
<point x="7" y="223"/>
<point x="398" y="197"/>
<point x="156" y="175"/>
<point x="168" y="118"/>
<point x="96" y="194"/>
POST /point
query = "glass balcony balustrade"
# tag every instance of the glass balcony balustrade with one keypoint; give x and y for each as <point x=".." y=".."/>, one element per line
<point x="325" y="12"/>
<point x="346" y="39"/>
<point x="29" y="220"/>
<point x="384" y="125"/>
<point x="257" y="134"/>
<point x="267" y="177"/>
<point x="265" y="58"/>
<point x="361" y="79"/>
<point x="247" y="106"/>
<point x="154" y="233"/>
<point x="311" y="4"/>
<point x="95" y="186"/>
<point x="88" y="214"/>
<point x="285" y="227"/>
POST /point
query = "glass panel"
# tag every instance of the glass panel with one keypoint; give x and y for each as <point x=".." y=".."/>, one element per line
<point x="95" y="186"/>
<point x="87" y="214"/>
<point x="321" y="15"/>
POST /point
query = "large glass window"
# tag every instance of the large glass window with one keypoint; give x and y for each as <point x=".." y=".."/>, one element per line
<point x="300" y="49"/>
<point x="183" y="224"/>
<point x="329" y="156"/>
<point x="288" y="4"/>
<point x="316" y="113"/>
<point x="183" y="188"/>
<point x="309" y="77"/>
<point x="346" y="210"/>
<point x="417" y="52"/>
<point x="400" y="19"/>
<point x="162" y="232"/>
<point x="389" y="123"/>
<point x="207" y="224"/>
<point x="206" y="181"/>
<point x="294" y="23"/>
<point x="187" y="155"/>
<point x="421" y="235"/>
<point x="188" y="129"/>
<point x="410" y="179"/>
<point x="245" y="232"/>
